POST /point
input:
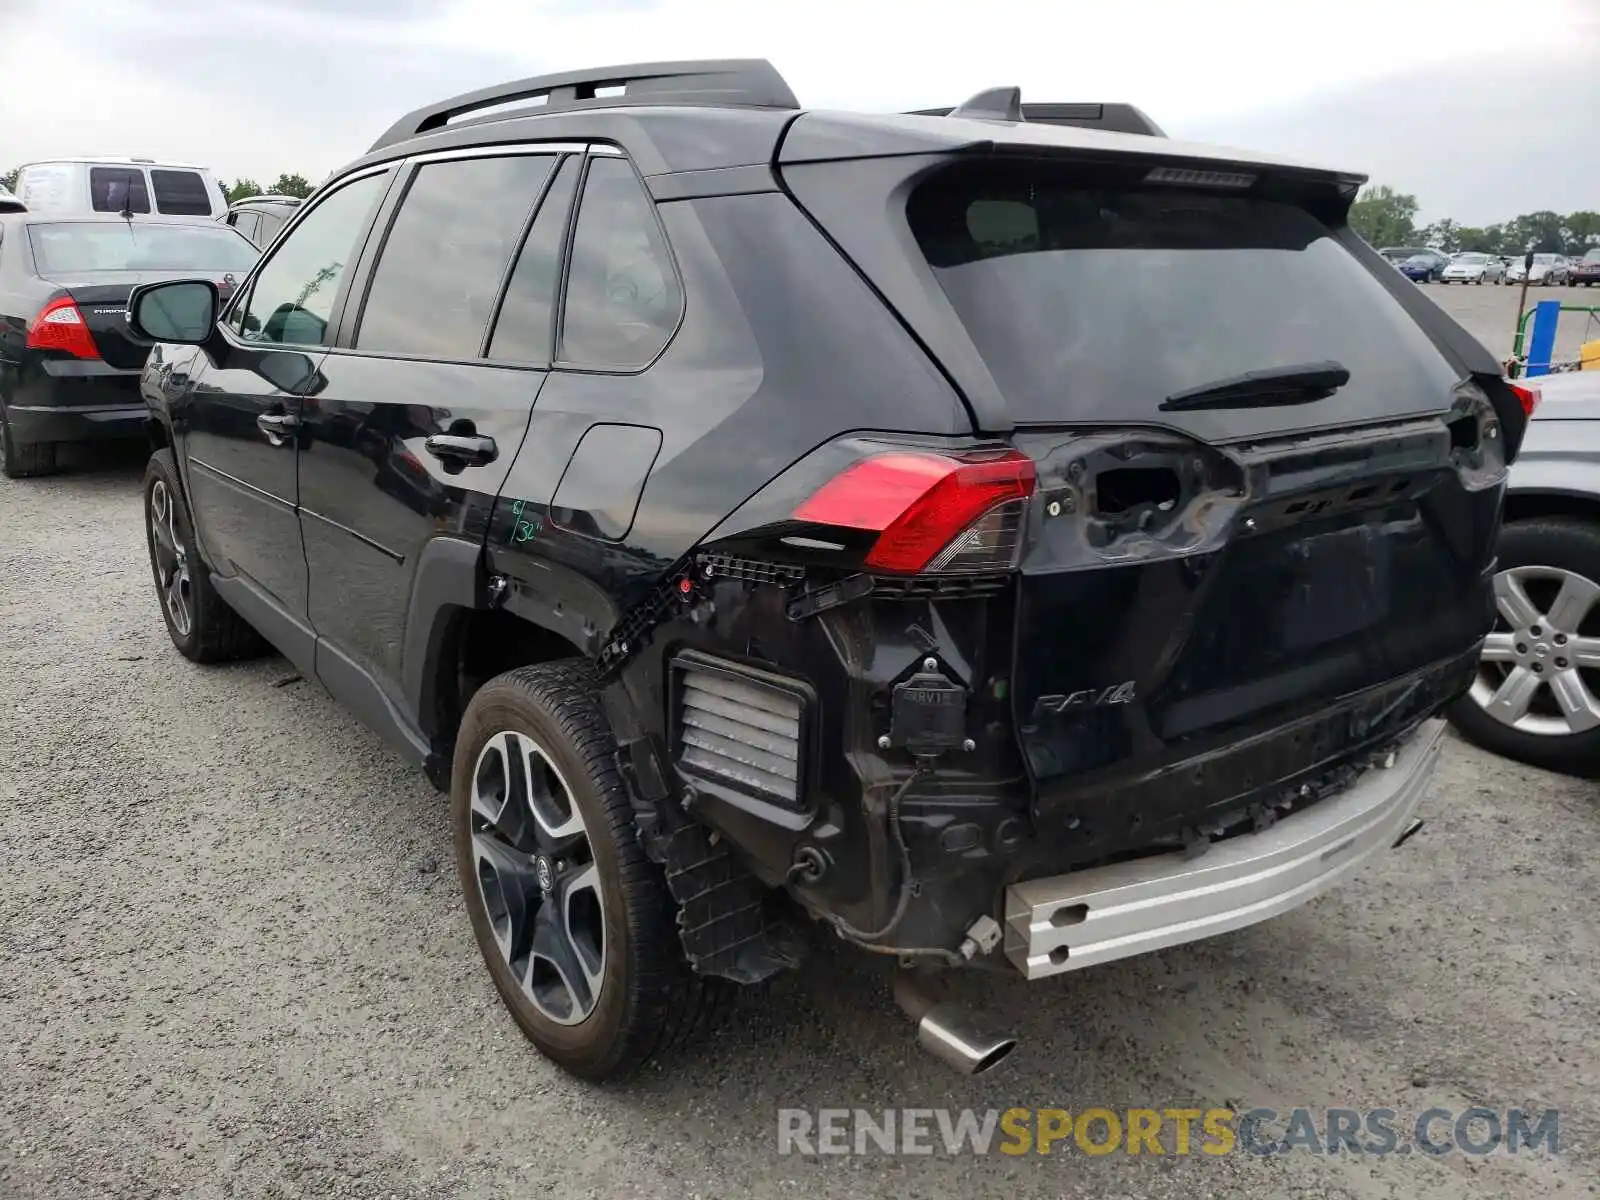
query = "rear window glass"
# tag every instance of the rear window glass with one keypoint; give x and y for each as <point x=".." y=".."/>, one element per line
<point x="110" y="189"/>
<point x="79" y="246"/>
<point x="435" y="284"/>
<point x="1096" y="303"/>
<point x="180" y="193"/>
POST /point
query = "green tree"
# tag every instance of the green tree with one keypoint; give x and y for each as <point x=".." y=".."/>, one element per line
<point x="1583" y="231"/>
<point x="1385" y="217"/>
<point x="9" y="179"/>
<point x="291" y="185"/>
<point x="1445" y="235"/>
<point x="240" y="188"/>
<point x="1542" y="231"/>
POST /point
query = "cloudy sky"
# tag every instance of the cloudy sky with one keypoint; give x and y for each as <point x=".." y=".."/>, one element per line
<point x="1483" y="108"/>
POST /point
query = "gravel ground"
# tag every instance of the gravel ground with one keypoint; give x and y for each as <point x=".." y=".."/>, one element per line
<point x="233" y="962"/>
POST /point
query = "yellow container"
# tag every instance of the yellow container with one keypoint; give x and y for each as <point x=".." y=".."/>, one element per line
<point x="1589" y="356"/>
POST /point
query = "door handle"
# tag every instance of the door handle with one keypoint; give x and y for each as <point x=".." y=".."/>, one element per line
<point x="277" y="426"/>
<point x="462" y="450"/>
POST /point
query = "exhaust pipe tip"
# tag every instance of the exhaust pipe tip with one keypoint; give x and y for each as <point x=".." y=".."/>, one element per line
<point x="949" y="1032"/>
<point x="955" y="1038"/>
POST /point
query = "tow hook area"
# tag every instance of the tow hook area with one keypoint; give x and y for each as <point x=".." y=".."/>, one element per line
<point x="1409" y="832"/>
<point x="948" y="1031"/>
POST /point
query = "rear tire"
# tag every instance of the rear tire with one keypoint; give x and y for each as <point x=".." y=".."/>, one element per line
<point x="573" y="921"/>
<point x="1541" y="552"/>
<point x="200" y="623"/>
<point x="24" y="460"/>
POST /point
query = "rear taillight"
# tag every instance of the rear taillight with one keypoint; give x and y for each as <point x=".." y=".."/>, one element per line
<point x="931" y="512"/>
<point x="60" y="326"/>
<point x="1526" y="396"/>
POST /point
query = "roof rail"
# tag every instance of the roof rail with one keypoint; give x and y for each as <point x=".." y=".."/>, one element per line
<point x="1114" y="118"/>
<point x="752" y="82"/>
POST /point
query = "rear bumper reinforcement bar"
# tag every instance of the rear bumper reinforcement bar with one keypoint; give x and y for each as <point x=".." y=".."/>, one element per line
<point x="1088" y="917"/>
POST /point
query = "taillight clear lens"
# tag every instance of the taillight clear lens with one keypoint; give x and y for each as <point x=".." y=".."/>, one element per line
<point x="932" y="512"/>
<point x="60" y="326"/>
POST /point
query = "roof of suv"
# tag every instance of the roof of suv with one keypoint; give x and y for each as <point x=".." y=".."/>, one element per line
<point x="707" y="115"/>
<point x="269" y="198"/>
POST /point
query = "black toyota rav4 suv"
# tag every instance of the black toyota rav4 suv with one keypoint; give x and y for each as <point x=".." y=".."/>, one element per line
<point x="1005" y="535"/>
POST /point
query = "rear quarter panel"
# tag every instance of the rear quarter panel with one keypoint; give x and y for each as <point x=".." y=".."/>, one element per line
<point x="782" y="347"/>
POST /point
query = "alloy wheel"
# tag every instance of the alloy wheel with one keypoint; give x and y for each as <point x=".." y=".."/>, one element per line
<point x="172" y="560"/>
<point x="1540" y="668"/>
<point x="537" y="876"/>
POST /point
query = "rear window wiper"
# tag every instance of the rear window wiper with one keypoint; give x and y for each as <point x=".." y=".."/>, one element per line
<point x="1299" y="384"/>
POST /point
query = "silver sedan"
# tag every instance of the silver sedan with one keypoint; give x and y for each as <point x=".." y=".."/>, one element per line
<point x="1472" y="267"/>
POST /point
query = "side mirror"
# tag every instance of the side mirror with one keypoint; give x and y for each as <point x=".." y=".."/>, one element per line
<point x="182" y="311"/>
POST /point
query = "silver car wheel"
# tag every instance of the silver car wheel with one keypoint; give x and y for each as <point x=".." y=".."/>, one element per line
<point x="537" y="876"/>
<point x="1538" y="673"/>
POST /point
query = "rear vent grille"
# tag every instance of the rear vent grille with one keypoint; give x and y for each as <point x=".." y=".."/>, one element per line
<point x="740" y="728"/>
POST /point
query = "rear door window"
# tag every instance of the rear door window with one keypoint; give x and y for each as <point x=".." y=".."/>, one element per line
<point x="524" y="327"/>
<point x="623" y="299"/>
<point x="180" y="193"/>
<point x="433" y="290"/>
<point x="118" y="189"/>
<point x="270" y="224"/>
<point x="1093" y="297"/>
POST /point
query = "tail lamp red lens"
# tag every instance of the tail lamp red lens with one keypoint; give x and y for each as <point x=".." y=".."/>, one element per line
<point x="919" y="503"/>
<point x="60" y="326"/>
<point x="1528" y="397"/>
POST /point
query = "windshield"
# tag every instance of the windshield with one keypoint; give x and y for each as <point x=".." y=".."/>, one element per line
<point x="1096" y="303"/>
<point x="1472" y="259"/>
<point x="1544" y="258"/>
<point x="83" y="246"/>
<point x="1593" y="256"/>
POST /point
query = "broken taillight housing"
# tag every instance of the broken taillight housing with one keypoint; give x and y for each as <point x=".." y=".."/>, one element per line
<point x="1477" y="443"/>
<point x="932" y="512"/>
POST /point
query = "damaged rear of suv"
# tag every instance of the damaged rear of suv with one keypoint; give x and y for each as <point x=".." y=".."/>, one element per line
<point x="1020" y="541"/>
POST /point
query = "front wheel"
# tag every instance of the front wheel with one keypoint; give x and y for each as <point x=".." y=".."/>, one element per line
<point x="1536" y="697"/>
<point x="574" y="922"/>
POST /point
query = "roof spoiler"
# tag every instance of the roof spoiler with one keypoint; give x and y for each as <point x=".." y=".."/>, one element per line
<point x="1005" y="104"/>
<point x="746" y="82"/>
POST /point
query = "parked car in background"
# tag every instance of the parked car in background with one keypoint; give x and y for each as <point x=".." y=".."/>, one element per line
<point x="69" y="366"/>
<point x="1399" y="254"/>
<point x="1471" y="267"/>
<point x="1548" y="270"/>
<point x="9" y="202"/>
<point x="82" y="186"/>
<point x="826" y="579"/>
<point x="1425" y="267"/>
<point x="260" y="217"/>
<point x="1586" y="270"/>
<point x="1537" y="693"/>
